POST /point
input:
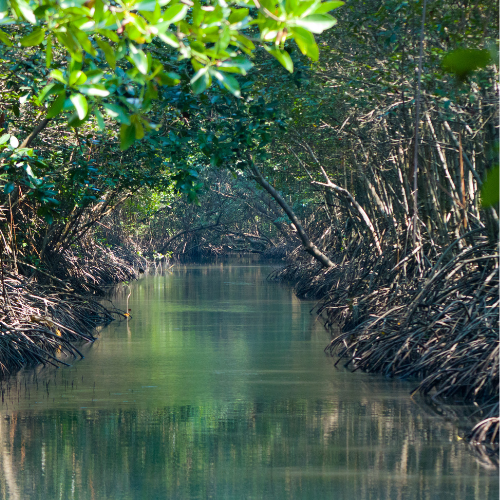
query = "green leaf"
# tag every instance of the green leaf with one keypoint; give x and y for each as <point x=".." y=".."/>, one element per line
<point x="4" y="138"/>
<point x="228" y="82"/>
<point x="239" y="64"/>
<point x="462" y="62"/>
<point x="80" y="104"/>
<point x="316" y="23"/>
<point x="3" y="5"/>
<point x="169" y="39"/>
<point x="244" y="43"/>
<point x="201" y="80"/>
<point x="9" y="187"/>
<point x="117" y="112"/>
<point x="46" y="92"/>
<point x="108" y="52"/>
<point x="237" y="15"/>
<point x="77" y="78"/>
<point x="127" y="136"/>
<point x="146" y="5"/>
<point x="56" y="74"/>
<point x="306" y="43"/>
<point x="168" y="78"/>
<point x="139" y="59"/>
<point x="100" y="119"/>
<point x="490" y="192"/>
<point x="305" y="8"/>
<point x="139" y="129"/>
<point x="94" y="76"/>
<point x="175" y="13"/>
<point x="27" y="13"/>
<point x="94" y="90"/>
<point x="5" y="39"/>
<point x="111" y="35"/>
<point x="283" y="57"/>
<point x="34" y="38"/>
<point x="224" y="39"/>
<point x="328" y="7"/>
<point x="48" y="52"/>
<point x="56" y="106"/>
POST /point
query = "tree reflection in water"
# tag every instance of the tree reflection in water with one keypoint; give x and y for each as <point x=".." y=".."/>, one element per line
<point x="218" y="388"/>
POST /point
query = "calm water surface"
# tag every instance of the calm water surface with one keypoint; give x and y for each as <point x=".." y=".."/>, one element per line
<point x="218" y="388"/>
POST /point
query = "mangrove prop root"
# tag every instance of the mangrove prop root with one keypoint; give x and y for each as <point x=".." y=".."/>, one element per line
<point x="433" y="323"/>
<point x="44" y="315"/>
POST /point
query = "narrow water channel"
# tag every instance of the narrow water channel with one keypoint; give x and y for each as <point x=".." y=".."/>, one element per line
<point x="218" y="388"/>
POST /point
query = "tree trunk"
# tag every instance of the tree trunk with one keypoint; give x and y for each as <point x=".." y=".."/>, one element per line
<point x="310" y="247"/>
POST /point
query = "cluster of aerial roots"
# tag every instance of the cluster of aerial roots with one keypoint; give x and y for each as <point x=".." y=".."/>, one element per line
<point x="47" y="311"/>
<point x="411" y="316"/>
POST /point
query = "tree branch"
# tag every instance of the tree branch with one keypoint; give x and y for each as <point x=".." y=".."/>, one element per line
<point x="27" y="142"/>
<point x="310" y="247"/>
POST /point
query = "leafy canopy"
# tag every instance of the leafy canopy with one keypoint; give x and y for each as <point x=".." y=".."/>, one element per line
<point x="94" y="47"/>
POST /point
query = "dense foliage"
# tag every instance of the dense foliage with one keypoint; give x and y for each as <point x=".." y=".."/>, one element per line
<point x="99" y="102"/>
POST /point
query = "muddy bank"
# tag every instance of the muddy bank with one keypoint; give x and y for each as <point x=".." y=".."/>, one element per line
<point x="430" y="316"/>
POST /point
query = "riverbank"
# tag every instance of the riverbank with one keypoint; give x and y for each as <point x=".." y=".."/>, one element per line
<point x="426" y="316"/>
<point x="48" y="310"/>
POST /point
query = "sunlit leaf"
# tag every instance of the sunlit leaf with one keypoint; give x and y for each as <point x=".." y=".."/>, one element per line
<point x="139" y="59"/>
<point x="306" y="43"/>
<point x="146" y="5"/>
<point x="80" y="104"/>
<point x="117" y="112"/>
<point x="316" y="23"/>
<point x="27" y="13"/>
<point x="283" y="57"/>
<point x="175" y="13"/>
<point x="239" y="64"/>
<point x="56" y="74"/>
<point x="45" y="92"/>
<point x="34" y="38"/>
<point x="5" y="39"/>
<point x="94" y="90"/>
<point x="326" y="7"/>
<point x="169" y="39"/>
<point x="77" y="78"/>
<point x="201" y="80"/>
<point x="228" y="82"/>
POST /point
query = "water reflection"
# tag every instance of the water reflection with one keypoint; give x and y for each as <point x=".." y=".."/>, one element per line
<point x="218" y="389"/>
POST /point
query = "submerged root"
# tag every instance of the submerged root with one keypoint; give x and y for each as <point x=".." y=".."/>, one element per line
<point x="485" y="433"/>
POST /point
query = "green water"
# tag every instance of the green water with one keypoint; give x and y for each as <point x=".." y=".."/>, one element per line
<point x="218" y="388"/>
